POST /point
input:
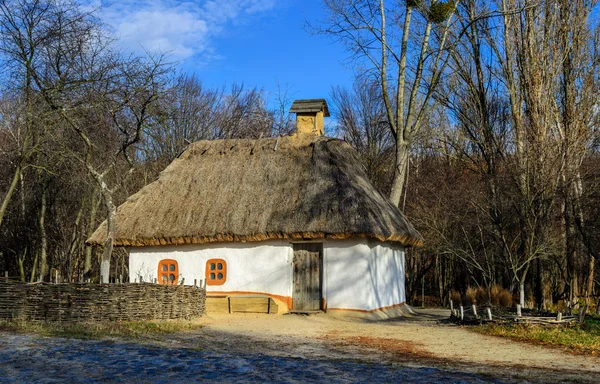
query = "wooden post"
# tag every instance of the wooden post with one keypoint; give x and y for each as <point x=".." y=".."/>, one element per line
<point x="474" y="310"/>
<point x="182" y="280"/>
<point x="6" y="276"/>
<point x="205" y="284"/>
<point x="155" y="280"/>
<point x="195" y="282"/>
<point x="451" y="307"/>
<point x="559" y="316"/>
<point x="489" y="312"/>
<point x="519" y="310"/>
<point x="141" y="279"/>
<point x="462" y="313"/>
<point x="135" y="280"/>
<point x="101" y="279"/>
<point x="121" y="279"/>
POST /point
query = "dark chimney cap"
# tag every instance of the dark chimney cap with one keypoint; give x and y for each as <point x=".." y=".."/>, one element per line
<point x="310" y="105"/>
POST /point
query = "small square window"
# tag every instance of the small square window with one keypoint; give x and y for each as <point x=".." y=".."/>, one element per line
<point x="213" y="278"/>
<point x="168" y="272"/>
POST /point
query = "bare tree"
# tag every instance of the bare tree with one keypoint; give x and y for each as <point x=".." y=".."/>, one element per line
<point x="406" y="61"/>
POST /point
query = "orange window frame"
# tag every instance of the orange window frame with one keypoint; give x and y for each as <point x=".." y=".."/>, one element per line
<point x="216" y="272"/>
<point x="168" y="271"/>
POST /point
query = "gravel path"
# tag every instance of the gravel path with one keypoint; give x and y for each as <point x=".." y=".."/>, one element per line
<point x="29" y="359"/>
<point x="291" y="348"/>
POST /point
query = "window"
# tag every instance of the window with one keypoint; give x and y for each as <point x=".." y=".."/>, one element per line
<point x="168" y="272"/>
<point x="216" y="272"/>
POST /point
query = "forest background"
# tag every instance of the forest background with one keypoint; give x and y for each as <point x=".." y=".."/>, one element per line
<point x="480" y="120"/>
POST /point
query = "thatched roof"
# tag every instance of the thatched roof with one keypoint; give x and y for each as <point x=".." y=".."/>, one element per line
<point x="296" y="187"/>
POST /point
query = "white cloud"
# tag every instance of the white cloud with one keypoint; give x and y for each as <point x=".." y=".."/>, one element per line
<point x="181" y="28"/>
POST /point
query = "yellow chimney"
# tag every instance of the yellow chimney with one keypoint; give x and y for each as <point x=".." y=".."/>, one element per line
<point x="309" y="115"/>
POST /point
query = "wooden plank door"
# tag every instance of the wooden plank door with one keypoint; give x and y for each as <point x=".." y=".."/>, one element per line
<point x="307" y="276"/>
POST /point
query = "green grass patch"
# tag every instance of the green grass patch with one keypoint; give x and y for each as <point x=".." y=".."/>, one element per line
<point x="150" y="329"/>
<point x="583" y="339"/>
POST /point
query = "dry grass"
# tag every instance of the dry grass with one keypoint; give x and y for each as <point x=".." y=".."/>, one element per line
<point x="98" y="330"/>
<point x="496" y="295"/>
<point x="583" y="339"/>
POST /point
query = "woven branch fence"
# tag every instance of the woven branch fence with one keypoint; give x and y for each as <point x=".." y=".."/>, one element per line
<point x="72" y="302"/>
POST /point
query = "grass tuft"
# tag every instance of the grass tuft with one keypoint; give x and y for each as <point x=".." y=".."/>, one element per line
<point x="583" y="339"/>
<point x="98" y="330"/>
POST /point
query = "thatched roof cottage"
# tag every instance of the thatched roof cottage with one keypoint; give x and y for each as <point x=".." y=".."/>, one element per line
<point x="294" y="218"/>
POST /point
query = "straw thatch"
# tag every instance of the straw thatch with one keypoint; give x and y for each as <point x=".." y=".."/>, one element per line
<point x="296" y="187"/>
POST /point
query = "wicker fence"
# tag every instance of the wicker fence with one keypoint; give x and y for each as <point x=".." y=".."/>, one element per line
<point x="69" y="302"/>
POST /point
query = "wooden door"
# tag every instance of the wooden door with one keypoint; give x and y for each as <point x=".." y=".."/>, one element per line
<point x="307" y="276"/>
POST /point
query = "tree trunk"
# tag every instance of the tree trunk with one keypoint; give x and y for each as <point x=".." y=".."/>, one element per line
<point x="87" y="267"/>
<point x="43" y="239"/>
<point x="110" y="235"/>
<point x="10" y="192"/>
<point x="34" y="268"/>
<point x="21" y="262"/>
<point x="400" y="171"/>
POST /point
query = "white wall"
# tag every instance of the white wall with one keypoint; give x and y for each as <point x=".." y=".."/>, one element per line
<point x="363" y="274"/>
<point x="251" y="267"/>
<point x="358" y="274"/>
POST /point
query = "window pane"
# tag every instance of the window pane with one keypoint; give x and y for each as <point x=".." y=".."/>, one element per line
<point x="220" y="276"/>
<point x="172" y="267"/>
<point x="164" y="278"/>
<point x="212" y="276"/>
<point x="171" y="277"/>
<point x="219" y="266"/>
<point x="212" y="266"/>
<point x="164" y="268"/>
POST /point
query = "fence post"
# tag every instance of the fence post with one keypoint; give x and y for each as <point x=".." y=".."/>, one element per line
<point x="462" y="313"/>
<point x="120" y="279"/>
<point x="101" y="279"/>
<point x="182" y="280"/>
<point x="155" y="280"/>
<point x="195" y="282"/>
<point x="6" y="276"/>
<point x="559" y="316"/>
<point x="451" y="307"/>
<point x="489" y="312"/>
<point x="519" y="310"/>
<point x="474" y="310"/>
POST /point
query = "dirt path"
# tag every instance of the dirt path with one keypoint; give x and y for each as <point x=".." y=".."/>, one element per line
<point x="416" y="341"/>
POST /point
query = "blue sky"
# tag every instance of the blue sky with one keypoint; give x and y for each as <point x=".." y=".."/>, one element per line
<point x="257" y="42"/>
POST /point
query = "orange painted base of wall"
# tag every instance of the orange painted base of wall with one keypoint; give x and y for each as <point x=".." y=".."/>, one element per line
<point x="286" y="303"/>
<point x="283" y="301"/>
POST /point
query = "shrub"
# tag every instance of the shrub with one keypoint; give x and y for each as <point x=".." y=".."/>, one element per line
<point x="471" y="295"/>
<point x="495" y="294"/>
<point x="482" y="296"/>
<point x="455" y="297"/>
<point x="505" y="298"/>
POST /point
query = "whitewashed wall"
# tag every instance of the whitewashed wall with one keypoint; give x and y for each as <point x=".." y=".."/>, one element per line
<point x="363" y="274"/>
<point x="251" y="267"/>
<point x="358" y="274"/>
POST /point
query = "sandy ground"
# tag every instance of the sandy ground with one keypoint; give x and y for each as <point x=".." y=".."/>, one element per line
<point x="414" y="341"/>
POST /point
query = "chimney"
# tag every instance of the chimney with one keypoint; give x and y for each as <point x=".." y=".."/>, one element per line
<point x="309" y="115"/>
